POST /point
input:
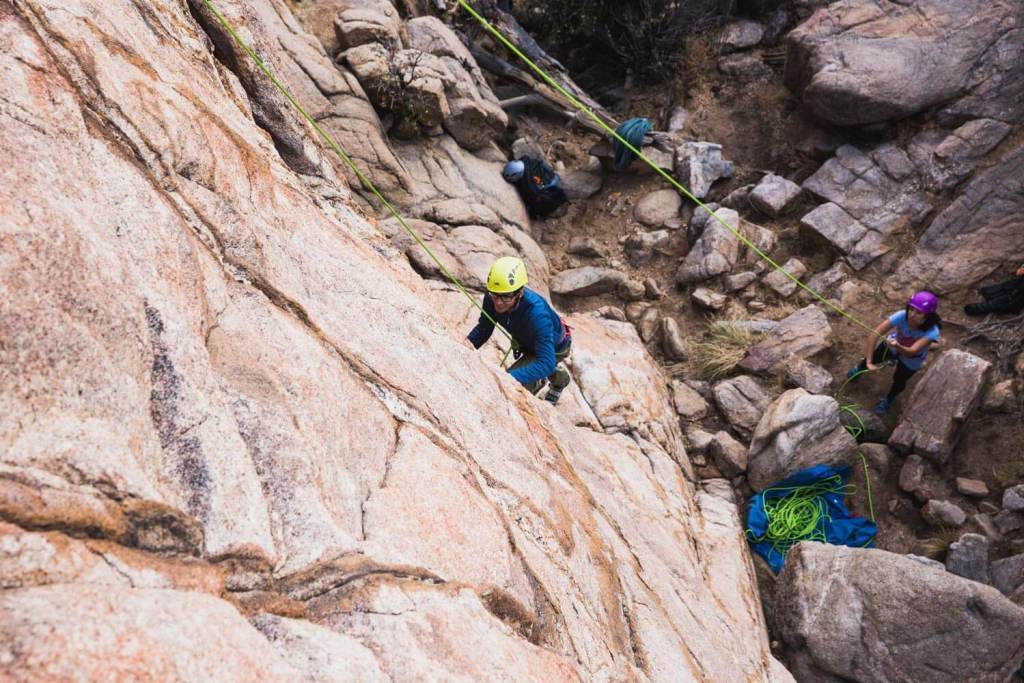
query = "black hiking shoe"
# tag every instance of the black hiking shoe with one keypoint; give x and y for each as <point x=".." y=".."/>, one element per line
<point x="553" y="395"/>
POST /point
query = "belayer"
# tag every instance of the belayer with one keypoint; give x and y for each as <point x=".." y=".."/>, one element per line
<point x="908" y="334"/>
<point x="543" y="340"/>
<point x="538" y="185"/>
<point x="1005" y="297"/>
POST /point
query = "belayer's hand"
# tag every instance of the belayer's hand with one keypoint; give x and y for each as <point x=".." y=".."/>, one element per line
<point x="871" y="366"/>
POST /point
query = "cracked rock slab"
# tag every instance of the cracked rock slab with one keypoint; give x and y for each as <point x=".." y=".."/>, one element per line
<point x="940" y="403"/>
<point x="870" y="615"/>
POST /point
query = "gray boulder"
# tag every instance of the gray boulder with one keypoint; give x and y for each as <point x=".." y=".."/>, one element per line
<point x="940" y="403"/>
<point x="809" y="376"/>
<point x="641" y="247"/>
<point x="699" y="220"/>
<point x="1008" y="574"/>
<point x="826" y="282"/>
<point x="799" y="335"/>
<point x="742" y="401"/>
<point x="920" y="478"/>
<point x="956" y="156"/>
<point x="587" y="281"/>
<point x="876" y="205"/>
<point x="798" y="430"/>
<point x="715" y="252"/>
<point x="709" y="299"/>
<point x="699" y="164"/>
<point x="943" y="513"/>
<point x="739" y="35"/>
<point x="869" y="61"/>
<point x="780" y="283"/>
<point x="475" y="117"/>
<point x="864" y="615"/>
<point x="374" y="22"/>
<point x="968" y="557"/>
<point x="580" y="184"/>
<point x="412" y="80"/>
<point x="976" y="236"/>
<point x="728" y="455"/>
<point x="1013" y="498"/>
<point x="672" y="342"/>
<point x="774" y="195"/>
<point x="689" y="404"/>
<point x="658" y="207"/>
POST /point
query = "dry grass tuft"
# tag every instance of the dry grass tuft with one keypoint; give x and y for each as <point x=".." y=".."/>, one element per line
<point x="1007" y="474"/>
<point x="722" y="346"/>
<point x="937" y="545"/>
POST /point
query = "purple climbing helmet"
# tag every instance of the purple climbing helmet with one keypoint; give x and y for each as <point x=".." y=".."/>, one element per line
<point x="926" y="302"/>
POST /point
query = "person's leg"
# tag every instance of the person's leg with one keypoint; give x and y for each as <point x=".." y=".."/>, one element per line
<point x="879" y="355"/>
<point x="560" y="378"/>
<point x="899" y="380"/>
<point x="526" y="359"/>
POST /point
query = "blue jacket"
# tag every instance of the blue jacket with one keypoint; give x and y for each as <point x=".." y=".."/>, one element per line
<point x="536" y="328"/>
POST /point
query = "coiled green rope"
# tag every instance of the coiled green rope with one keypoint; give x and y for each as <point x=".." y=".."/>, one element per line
<point x="799" y="515"/>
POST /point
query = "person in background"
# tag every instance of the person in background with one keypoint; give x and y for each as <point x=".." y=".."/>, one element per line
<point x="1004" y="297"/>
<point x="907" y="336"/>
<point x="538" y="185"/>
<point x="542" y="338"/>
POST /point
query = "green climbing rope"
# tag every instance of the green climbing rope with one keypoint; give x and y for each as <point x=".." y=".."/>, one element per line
<point x="798" y="515"/>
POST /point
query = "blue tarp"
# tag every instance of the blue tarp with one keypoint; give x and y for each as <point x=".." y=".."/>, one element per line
<point x="837" y="526"/>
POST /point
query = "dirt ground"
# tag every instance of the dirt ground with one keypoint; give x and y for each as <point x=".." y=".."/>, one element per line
<point x="761" y="130"/>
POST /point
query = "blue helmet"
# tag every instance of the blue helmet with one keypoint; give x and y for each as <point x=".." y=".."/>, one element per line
<point x="513" y="171"/>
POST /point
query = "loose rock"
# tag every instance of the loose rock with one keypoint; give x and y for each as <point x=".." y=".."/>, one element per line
<point x="709" y="299"/>
<point x="1013" y="498"/>
<point x="728" y="455"/>
<point x="742" y="401"/>
<point x="968" y="557"/>
<point x="586" y="281"/>
<point x="657" y="207"/>
<point x="783" y="285"/>
<point x="672" y="340"/>
<point x="774" y="195"/>
<point x="971" y="487"/>
<point x="943" y="513"/>
<point x="689" y="404"/>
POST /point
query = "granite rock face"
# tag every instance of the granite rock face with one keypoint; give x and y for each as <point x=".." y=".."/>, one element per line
<point x="263" y="399"/>
<point x="858" y="62"/>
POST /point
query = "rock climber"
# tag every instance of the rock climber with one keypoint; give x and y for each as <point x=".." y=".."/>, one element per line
<point x="542" y="338"/>
<point x="1004" y="297"/>
<point x="908" y="335"/>
<point x="537" y="183"/>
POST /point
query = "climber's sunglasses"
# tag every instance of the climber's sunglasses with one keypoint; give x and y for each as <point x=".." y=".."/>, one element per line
<point x="510" y="296"/>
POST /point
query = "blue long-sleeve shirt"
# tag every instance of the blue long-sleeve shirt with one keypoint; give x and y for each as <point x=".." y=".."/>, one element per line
<point x="536" y="328"/>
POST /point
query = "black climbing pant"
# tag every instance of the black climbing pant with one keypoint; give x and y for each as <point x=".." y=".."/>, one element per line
<point x="1004" y="297"/>
<point x="903" y="373"/>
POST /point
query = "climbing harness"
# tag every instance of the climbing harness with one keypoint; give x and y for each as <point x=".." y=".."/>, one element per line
<point x="355" y="169"/>
<point x="633" y="131"/>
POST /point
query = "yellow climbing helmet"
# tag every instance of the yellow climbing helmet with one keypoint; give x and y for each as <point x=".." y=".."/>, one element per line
<point x="508" y="274"/>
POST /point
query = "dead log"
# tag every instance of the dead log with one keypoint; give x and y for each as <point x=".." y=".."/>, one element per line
<point x="505" y="23"/>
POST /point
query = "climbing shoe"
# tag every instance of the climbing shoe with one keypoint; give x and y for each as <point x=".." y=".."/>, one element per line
<point x="553" y="395"/>
<point x="883" y="406"/>
<point x="854" y="373"/>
